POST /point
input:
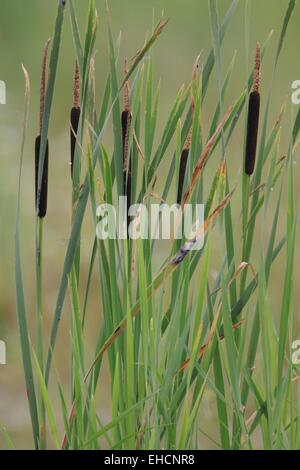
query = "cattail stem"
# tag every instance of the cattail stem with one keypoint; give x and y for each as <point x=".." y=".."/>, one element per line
<point x="41" y="194"/>
<point x="245" y="197"/>
<point x="253" y="118"/>
<point x="40" y="324"/>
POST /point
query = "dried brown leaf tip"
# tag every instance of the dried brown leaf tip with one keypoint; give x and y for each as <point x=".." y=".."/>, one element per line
<point x="253" y="117"/>
<point x="42" y="195"/>
<point x="196" y="69"/>
<point x="75" y="114"/>
<point x="141" y="53"/>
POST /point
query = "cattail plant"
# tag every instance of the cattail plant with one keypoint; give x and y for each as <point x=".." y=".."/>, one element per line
<point x="253" y="117"/>
<point x="125" y="123"/>
<point x="41" y="194"/>
<point x="75" y="115"/>
<point x="41" y="198"/>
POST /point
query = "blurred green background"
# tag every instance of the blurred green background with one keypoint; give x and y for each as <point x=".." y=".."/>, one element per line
<point x="24" y="28"/>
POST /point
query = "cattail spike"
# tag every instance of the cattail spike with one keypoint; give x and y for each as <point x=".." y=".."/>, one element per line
<point x="126" y="120"/>
<point x="75" y="114"/>
<point x="253" y="117"/>
<point x="186" y="148"/>
<point x="41" y="197"/>
<point x="126" y="123"/>
<point x="43" y="83"/>
<point x="188" y="140"/>
<point x="256" y="77"/>
<point x="74" y="119"/>
<point x="126" y="89"/>
<point x="76" y="87"/>
<point x="252" y="132"/>
<point x="182" y="170"/>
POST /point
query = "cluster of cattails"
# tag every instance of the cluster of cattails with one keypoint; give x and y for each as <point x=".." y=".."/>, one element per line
<point x="41" y="196"/>
<point x="127" y="164"/>
<point x="253" y="117"/>
<point x="126" y="119"/>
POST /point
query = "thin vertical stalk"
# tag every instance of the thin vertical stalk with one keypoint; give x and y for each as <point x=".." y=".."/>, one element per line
<point x="41" y="208"/>
<point x="40" y="324"/>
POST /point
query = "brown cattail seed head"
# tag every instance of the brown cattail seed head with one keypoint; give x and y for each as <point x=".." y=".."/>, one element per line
<point x="252" y="131"/>
<point x="186" y="148"/>
<point x="126" y="123"/>
<point x="75" y="114"/>
<point x="41" y="199"/>
<point x="126" y="120"/>
<point x="184" y="157"/>
<point x="182" y="169"/>
<point x="253" y="117"/>
<point x="74" y="119"/>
